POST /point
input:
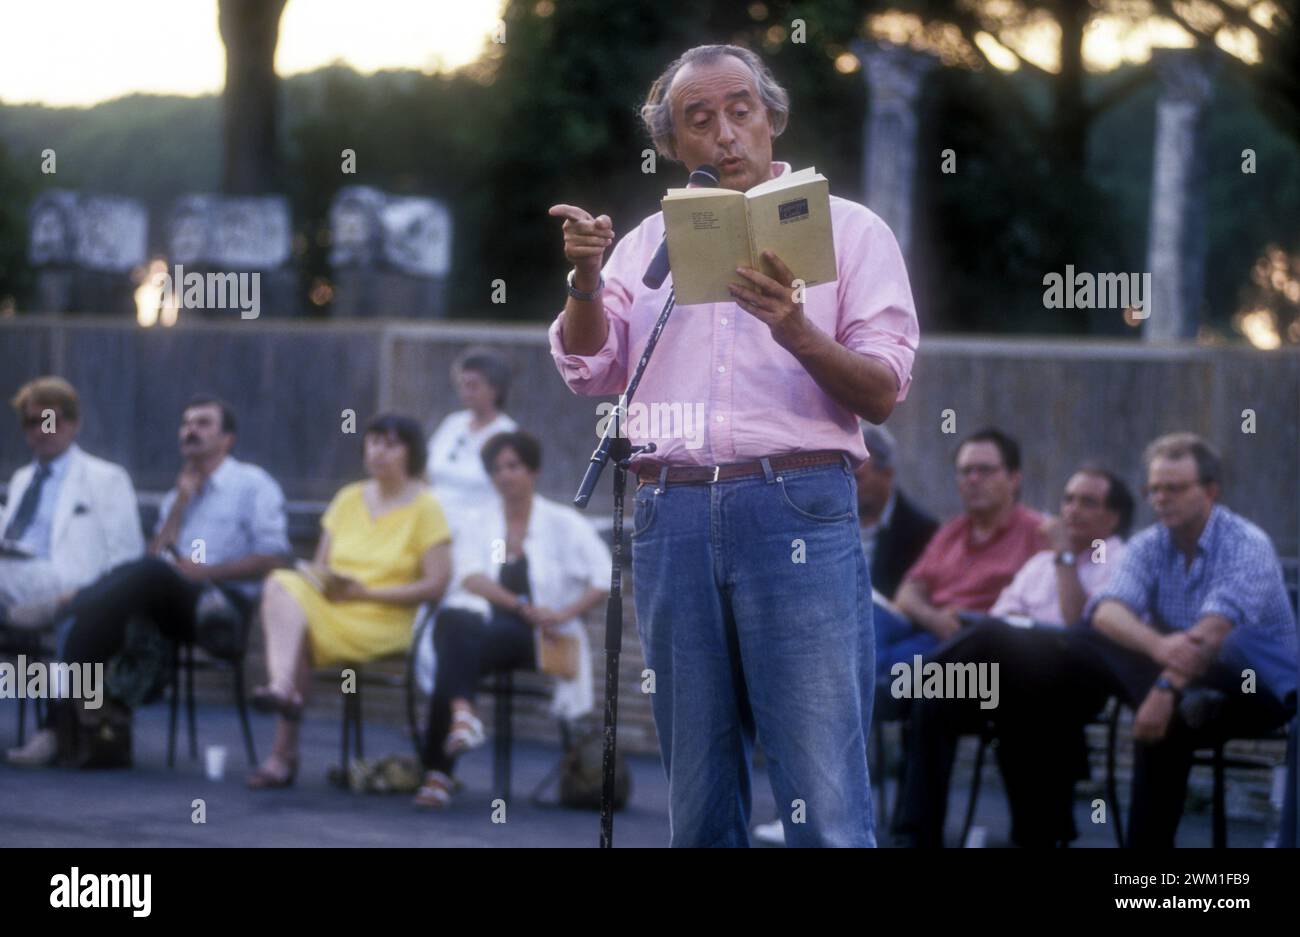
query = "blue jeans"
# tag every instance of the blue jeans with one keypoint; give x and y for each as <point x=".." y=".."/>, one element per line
<point x="753" y="604"/>
<point x="897" y="639"/>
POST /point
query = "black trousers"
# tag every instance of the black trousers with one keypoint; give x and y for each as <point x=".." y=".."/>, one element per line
<point x="1051" y="684"/>
<point x="1034" y="738"/>
<point x="1160" y="769"/>
<point x="468" y="647"/>
<point x="102" y="611"/>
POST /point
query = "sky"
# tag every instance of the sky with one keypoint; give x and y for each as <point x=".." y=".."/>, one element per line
<point x="81" y="52"/>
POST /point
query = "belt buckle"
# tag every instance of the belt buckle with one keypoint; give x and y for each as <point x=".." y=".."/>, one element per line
<point x="716" y="470"/>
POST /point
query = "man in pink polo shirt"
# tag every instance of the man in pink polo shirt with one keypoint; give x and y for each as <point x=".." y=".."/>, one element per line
<point x="752" y="592"/>
<point x="970" y="559"/>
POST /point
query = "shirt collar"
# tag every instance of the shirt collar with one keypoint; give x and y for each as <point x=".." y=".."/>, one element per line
<point x="223" y="471"/>
<point x="1012" y="516"/>
<point x="1209" y="534"/>
<point x="58" y="466"/>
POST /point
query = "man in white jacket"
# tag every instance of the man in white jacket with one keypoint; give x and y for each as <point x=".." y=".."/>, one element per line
<point x="69" y="517"/>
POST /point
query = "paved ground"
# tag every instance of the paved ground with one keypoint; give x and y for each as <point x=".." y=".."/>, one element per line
<point x="150" y="805"/>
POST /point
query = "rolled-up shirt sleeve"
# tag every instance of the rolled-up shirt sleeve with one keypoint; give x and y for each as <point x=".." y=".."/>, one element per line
<point x="877" y="313"/>
<point x="1244" y="585"/>
<point x="269" y="524"/>
<point x="605" y="372"/>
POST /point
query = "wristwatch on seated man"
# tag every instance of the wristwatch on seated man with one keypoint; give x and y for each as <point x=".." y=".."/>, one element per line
<point x="1164" y="683"/>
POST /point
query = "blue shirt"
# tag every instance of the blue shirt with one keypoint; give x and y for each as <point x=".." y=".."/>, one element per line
<point x="1235" y="573"/>
<point x="238" y="512"/>
<point x="41" y="530"/>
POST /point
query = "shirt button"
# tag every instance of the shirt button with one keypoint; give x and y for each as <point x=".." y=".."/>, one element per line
<point x="720" y="418"/>
<point x="722" y="369"/>
<point x="724" y="320"/>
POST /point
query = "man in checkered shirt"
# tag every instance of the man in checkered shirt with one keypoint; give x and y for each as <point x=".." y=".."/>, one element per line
<point x="1195" y="631"/>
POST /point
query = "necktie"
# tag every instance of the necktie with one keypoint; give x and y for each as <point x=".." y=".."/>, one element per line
<point x="22" y="518"/>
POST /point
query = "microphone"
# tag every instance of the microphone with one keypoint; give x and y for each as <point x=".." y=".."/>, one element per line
<point x="705" y="177"/>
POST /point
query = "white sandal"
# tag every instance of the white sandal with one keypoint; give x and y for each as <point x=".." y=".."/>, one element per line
<point x="436" y="790"/>
<point x="466" y="733"/>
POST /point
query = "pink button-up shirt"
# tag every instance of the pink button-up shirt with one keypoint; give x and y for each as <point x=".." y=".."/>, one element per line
<point x="719" y="388"/>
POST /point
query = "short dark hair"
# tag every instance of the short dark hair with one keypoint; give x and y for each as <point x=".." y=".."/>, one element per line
<point x="1008" y="448"/>
<point x="411" y="435"/>
<point x="1118" y="496"/>
<point x="228" y="423"/>
<point x="1209" y="465"/>
<point x="524" y="444"/>
<point x="492" y="365"/>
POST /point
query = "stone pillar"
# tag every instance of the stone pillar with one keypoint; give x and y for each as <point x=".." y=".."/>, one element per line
<point x="84" y="248"/>
<point x="390" y="254"/>
<point x="894" y="75"/>
<point x="1176" y="237"/>
<point x="223" y="235"/>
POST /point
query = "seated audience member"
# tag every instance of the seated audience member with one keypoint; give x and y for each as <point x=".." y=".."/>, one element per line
<point x="70" y="517"/>
<point x="527" y="575"/>
<point x="482" y="379"/>
<point x="222" y="525"/>
<point x="1051" y="589"/>
<point x="894" y="530"/>
<point x="1195" y="631"/>
<point x="971" y="558"/>
<point x="384" y="550"/>
<point x="1086" y="544"/>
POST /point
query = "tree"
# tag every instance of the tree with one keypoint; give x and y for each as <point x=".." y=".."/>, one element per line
<point x="250" y="30"/>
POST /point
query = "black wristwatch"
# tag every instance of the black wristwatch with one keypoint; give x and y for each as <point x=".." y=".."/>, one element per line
<point x="1162" y="683"/>
<point x="579" y="294"/>
<point x="1065" y="558"/>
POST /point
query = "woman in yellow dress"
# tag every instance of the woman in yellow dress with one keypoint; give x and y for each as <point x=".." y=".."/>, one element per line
<point x="384" y="550"/>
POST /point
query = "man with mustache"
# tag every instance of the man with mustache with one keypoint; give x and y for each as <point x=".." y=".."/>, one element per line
<point x="752" y="592"/>
<point x="224" y="523"/>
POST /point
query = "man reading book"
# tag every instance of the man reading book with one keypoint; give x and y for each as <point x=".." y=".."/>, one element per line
<point x="752" y="594"/>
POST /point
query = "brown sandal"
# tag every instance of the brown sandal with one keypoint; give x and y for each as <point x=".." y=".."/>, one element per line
<point x="262" y="779"/>
<point x="266" y="700"/>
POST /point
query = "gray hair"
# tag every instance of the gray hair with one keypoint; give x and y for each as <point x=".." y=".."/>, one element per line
<point x="881" y="445"/>
<point x="657" y="112"/>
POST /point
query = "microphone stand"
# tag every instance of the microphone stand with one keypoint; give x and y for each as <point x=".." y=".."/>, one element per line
<point x="615" y="444"/>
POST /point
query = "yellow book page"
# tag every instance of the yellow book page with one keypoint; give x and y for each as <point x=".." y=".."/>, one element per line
<point x="707" y="240"/>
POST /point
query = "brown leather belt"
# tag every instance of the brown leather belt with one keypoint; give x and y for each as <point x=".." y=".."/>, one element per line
<point x="648" y="471"/>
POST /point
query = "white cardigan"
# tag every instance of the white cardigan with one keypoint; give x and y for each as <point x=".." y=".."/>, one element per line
<point x="565" y="557"/>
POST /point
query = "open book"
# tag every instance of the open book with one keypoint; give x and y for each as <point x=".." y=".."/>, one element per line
<point x="711" y="232"/>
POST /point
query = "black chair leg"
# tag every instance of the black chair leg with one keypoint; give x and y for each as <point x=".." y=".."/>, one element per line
<point x="346" y="747"/>
<point x="974" y="789"/>
<point x="172" y="705"/>
<point x="501" y="744"/>
<point x="878" y="755"/>
<point x="1112" y="785"/>
<point x="356" y="721"/>
<point x="508" y="749"/>
<point x="241" y="704"/>
<point x="1220" y="801"/>
<point x="191" y="725"/>
<point x="566" y="742"/>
